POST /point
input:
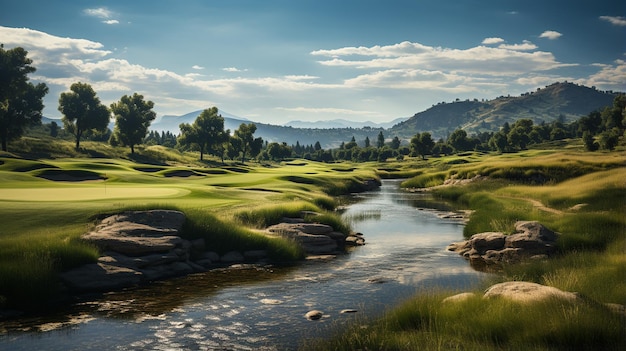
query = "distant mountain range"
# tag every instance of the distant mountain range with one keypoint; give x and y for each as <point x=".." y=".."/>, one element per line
<point x="565" y="101"/>
<point x="343" y="123"/>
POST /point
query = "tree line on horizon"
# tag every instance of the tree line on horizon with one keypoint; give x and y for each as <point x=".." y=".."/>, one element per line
<point x="85" y="117"/>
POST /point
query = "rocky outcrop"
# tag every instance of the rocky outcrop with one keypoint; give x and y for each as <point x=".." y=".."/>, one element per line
<point x="531" y="240"/>
<point x="144" y="246"/>
<point x="315" y="238"/>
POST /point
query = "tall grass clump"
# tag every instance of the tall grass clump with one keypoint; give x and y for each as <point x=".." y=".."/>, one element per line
<point x="29" y="268"/>
<point x="267" y="215"/>
<point x="426" y="180"/>
<point x="222" y="237"/>
<point x="426" y="323"/>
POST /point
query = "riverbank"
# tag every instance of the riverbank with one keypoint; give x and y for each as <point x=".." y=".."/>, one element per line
<point x="43" y="218"/>
<point x="580" y="195"/>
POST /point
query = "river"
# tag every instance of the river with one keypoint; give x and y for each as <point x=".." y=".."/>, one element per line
<point x="263" y="308"/>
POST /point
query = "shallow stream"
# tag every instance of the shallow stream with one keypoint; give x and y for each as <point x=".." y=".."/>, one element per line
<point x="263" y="309"/>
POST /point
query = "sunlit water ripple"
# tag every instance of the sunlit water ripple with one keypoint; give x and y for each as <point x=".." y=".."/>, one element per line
<point x="263" y="309"/>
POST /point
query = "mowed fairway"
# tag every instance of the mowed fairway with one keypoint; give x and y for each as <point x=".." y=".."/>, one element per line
<point x="90" y="193"/>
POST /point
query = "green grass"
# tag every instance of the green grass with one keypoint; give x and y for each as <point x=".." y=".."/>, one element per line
<point x="578" y="194"/>
<point x="425" y="323"/>
<point x="42" y="219"/>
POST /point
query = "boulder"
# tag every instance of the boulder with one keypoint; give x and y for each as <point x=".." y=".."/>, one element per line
<point x="138" y="246"/>
<point x="459" y="297"/>
<point x="100" y="277"/>
<point x="531" y="239"/>
<point x="232" y="257"/>
<point x="528" y="292"/>
<point x="307" y="228"/>
<point x="314" y="315"/>
<point x="314" y="238"/>
<point x="137" y="233"/>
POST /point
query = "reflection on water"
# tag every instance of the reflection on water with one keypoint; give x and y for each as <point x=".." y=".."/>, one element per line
<point x="253" y="308"/>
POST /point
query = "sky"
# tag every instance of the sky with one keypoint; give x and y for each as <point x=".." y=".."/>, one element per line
<point x="275" y="61"/>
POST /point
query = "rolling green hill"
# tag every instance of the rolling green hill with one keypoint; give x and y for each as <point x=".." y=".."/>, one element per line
<point x="565" y="101"/>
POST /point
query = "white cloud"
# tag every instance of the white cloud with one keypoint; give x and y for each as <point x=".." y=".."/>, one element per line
<point x="499" y="61"/>
<point x="491" y="41"/>
<point x="391" y="75"/>
<point x="525" y="46"/>
<point x="101" y="12"/>
<point x="615" y="20"/>
<point x="301" y="77"/>
<point x="234" y="69"/>
<point x="402" y="49"/>
<point x="609" y="77"/>
<point x="550" y="34"/>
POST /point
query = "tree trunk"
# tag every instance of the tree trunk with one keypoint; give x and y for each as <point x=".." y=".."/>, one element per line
<point x="78" y="134"/>
<point x="132" y="149"/>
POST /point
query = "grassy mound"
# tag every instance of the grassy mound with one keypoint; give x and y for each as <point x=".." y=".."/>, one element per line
<point x="42" y="220"/>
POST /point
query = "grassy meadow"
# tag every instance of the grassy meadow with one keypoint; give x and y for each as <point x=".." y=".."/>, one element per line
<point x="44" y="208"/>
<point x="582" y="195"/>
<point x="47" y="202"/>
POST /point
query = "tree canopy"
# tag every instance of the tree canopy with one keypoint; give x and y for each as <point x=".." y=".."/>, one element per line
<point x="244" y="143"/>
<point x="82" y="111"/>
<point x="206" y="133"/>
<point x="133" y="116"/>
<point x="21" y="102"/>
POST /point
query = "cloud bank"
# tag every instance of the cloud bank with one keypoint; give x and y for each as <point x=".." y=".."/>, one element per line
<point x="351" y="81"/>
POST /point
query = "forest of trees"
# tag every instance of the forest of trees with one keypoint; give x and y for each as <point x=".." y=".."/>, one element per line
<point x="86" y="118"/>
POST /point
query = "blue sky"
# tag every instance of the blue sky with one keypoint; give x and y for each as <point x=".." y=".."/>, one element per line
<point x="274" y="61"/>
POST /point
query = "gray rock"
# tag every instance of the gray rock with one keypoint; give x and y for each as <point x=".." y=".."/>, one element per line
<point x="528" y="292"/>
<point x="459" y="297"/>
<point x="210" y="255"/>
<point x="138" y="233"/>
<point x="531" y="240"/>
<point x="100" y="277"/>
<point x="232" y="257"/>
<point x="314" y="315"/>
<point x="255" y="255"/>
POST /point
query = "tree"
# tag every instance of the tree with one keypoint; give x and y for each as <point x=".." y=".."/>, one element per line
<point x="422" y="144"/>
<point x="367" y="141"/>
<point x="207" y="132"/>
<point x="499" y="142"/>
<point x="458" y="140"/>
<point x="395" y="143"/>
<point x="590" y="143"/>
<point x="82" y="111"/>
<point x="20" y="101"/>
<point x="381" y="140"/>
<point x="54" y="129"/>
<point x="352" y="144"/>
<point x="133" y="116"/>
<point x="245" y="143"/>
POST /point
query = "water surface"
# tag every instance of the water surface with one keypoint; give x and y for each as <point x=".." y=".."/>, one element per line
<point x="254" y="308"/>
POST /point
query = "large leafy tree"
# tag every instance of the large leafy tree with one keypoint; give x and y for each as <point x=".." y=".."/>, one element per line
<point x="133" y="116"/>
<point x="422" y="144"/>
<point x="82" y="111"/>
<point x="206" y="133"/>
<point x="21" y="102"/>
<point x="245" y="143"/>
